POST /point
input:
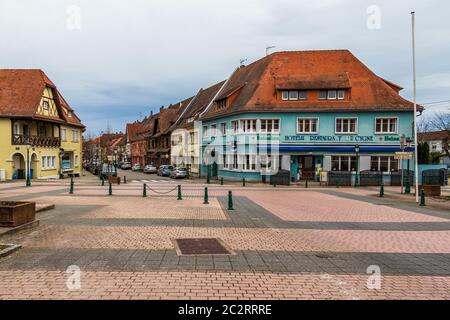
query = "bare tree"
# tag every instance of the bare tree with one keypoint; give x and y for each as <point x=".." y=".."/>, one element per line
<point x="441" y="122"/>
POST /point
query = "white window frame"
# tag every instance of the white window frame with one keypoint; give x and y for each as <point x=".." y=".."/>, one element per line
<point x="75" y="136"/>
<point x="389" y="156"/>
<point x="270" y="119"/>
<point x="285" y="95"/>
<point x="389" y="120"/>
<point x="344" y="118"/>
<point x="349" y="160"/>
<point x="235" y="126"/>
<point x="243" y="126"/>
<point x="205" y="131"/>
<point x="326" y="95"/>
<point x="213" y="129"/>
<point x="45" y="105"/>
<point x="341" y="96"/>
<point x="223" y="128"/>
<point x="308" y="118"/>
<point x="335" y="95"/>
<point x="293" y="98"/>
<point x="63" y="134"/>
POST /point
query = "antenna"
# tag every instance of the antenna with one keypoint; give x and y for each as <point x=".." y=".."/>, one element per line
<point x="268" y="48"/>
<point x="242" y="61"/>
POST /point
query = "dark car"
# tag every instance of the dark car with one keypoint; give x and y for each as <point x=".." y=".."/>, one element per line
<point x="108" y="170"/>
<point x="164" y="170"/>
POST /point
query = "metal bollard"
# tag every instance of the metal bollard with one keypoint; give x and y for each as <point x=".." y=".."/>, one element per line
<point x="144" y="191"/>
<point x="110" y="189"/>
<point x="103" y="181"/>
<point x="337" y="184"/>
<point x="206" y="200"/>
<point x="422" y="197"/>
<point x="382" y="190"/>
<point x="221" y="181"/>
<point x="71" y="185"/>
<point x="179" y="193"/>
<point x="243" y="182"/>
<point x="306" y="183"/>
<point x="124" y="179"/>
<point x="230" y="200"/>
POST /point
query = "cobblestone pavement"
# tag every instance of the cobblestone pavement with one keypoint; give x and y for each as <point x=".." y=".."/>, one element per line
<point x="288" y="243"/>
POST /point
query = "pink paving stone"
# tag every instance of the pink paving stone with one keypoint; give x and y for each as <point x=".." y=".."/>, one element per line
<point x="316" y="206"/>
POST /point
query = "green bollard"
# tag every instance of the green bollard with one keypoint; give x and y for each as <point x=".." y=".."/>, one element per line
<point x="103" y="181"/>
<point x="205" y="201"/>
<point x="179" y="193"/>
<point x="144" y="191"/>
<point x="382" y="190"/>
<point x="306" y="183"/>
<point x="230" y="200"/>
<point x="337" y="184"/>
<point x="408" y="187"/>
<point x="274" y="185"/>
<point x="110" y="189"/>
<point x="422" y="197"/>
<point x="221" y="181"/>
<point x="243" y="182"/>
<point x="124" y="179"/>
<point x="71" y="185"/>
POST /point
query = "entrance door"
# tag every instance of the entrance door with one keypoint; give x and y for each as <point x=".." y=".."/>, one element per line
<point x="306" y="165"/>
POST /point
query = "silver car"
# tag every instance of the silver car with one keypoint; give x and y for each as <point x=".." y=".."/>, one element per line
<point x="178" y="173"/>
<point x="150" y="169"/>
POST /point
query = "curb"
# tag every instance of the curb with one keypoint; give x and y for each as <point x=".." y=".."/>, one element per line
<point x="10" y="248"/>
<point x="26" y="226"/>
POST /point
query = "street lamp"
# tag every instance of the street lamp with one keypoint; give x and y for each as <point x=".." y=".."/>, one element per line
<point x="115" y="157"/>
<point x="409" y="142"/>
<point x="357" y="148"/>
<point x="28" y="184"/>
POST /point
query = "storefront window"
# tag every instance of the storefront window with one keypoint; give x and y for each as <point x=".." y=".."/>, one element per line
<point x="343" y="163"/>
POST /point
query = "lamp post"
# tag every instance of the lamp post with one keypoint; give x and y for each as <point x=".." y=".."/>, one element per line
<point x="402" y="146"/>
<point x="357" y="148"/>
<point x="115" y="157"/>
<point x="409" y="142"/>
<point x="28" y="184"/>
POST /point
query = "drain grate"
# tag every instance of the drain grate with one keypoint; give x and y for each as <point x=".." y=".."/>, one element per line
<point x="201" y="246"/>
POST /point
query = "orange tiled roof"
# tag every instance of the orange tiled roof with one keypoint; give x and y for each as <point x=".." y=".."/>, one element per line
<point x="254" y="87"/>
<point x="21" y="91"/>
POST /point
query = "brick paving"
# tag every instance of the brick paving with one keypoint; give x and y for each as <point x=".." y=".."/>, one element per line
<point x="288" y="243"/>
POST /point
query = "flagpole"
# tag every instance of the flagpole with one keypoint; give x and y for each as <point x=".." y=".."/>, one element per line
<point x="416" y="161"/>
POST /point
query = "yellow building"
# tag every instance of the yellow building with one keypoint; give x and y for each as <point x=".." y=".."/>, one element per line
<point x="38" y="128"/>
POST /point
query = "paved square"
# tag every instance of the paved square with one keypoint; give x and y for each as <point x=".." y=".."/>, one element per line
<point x="287" y="243"/>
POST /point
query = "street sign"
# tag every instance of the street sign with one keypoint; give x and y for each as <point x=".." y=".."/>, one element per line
<point x="403" y="155"/>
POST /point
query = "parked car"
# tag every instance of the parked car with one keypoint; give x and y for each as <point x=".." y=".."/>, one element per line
<point x="164" y="170"/>
<point x="178" y="173"/>
<point x="136" y="167"/>
<point x="150" y="169"/>
<point x="126" y="166"/>
<point x="108" y="170"/>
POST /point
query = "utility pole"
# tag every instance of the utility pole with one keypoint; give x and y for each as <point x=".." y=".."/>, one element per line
<point x="416" y="160"/>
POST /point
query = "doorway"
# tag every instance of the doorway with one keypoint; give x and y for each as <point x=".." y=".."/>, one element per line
<point x="306" y="165"/>
<point x="18" y="166"/>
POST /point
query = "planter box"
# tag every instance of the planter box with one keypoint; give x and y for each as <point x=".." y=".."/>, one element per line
<point x="114" y="180"/>
<point x="14" y="214"/>
<point x="432" y="191"/>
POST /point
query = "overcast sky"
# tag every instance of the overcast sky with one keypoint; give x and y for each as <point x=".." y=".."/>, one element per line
<point x="117" y="60"/>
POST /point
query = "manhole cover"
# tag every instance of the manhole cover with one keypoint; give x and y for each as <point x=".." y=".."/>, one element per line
<point x="201" y="246"/>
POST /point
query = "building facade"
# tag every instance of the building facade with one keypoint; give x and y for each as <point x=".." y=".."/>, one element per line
<point x="41" y="136"/>
<point x="305" y="113"/>
<point x="438" y="142"/>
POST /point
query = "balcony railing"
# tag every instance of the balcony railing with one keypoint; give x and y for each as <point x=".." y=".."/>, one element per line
<point x="36" y="141"/>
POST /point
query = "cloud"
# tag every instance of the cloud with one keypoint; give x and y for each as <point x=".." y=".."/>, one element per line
<point x="129" y="57"/>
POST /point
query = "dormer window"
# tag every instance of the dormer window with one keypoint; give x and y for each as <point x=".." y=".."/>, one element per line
<point x="45" y="105"/>
<point x="69" y="114"/>
<point x="331" y="94"/>
<point x="294" y="95"/>
<point x="222" y="104"/>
